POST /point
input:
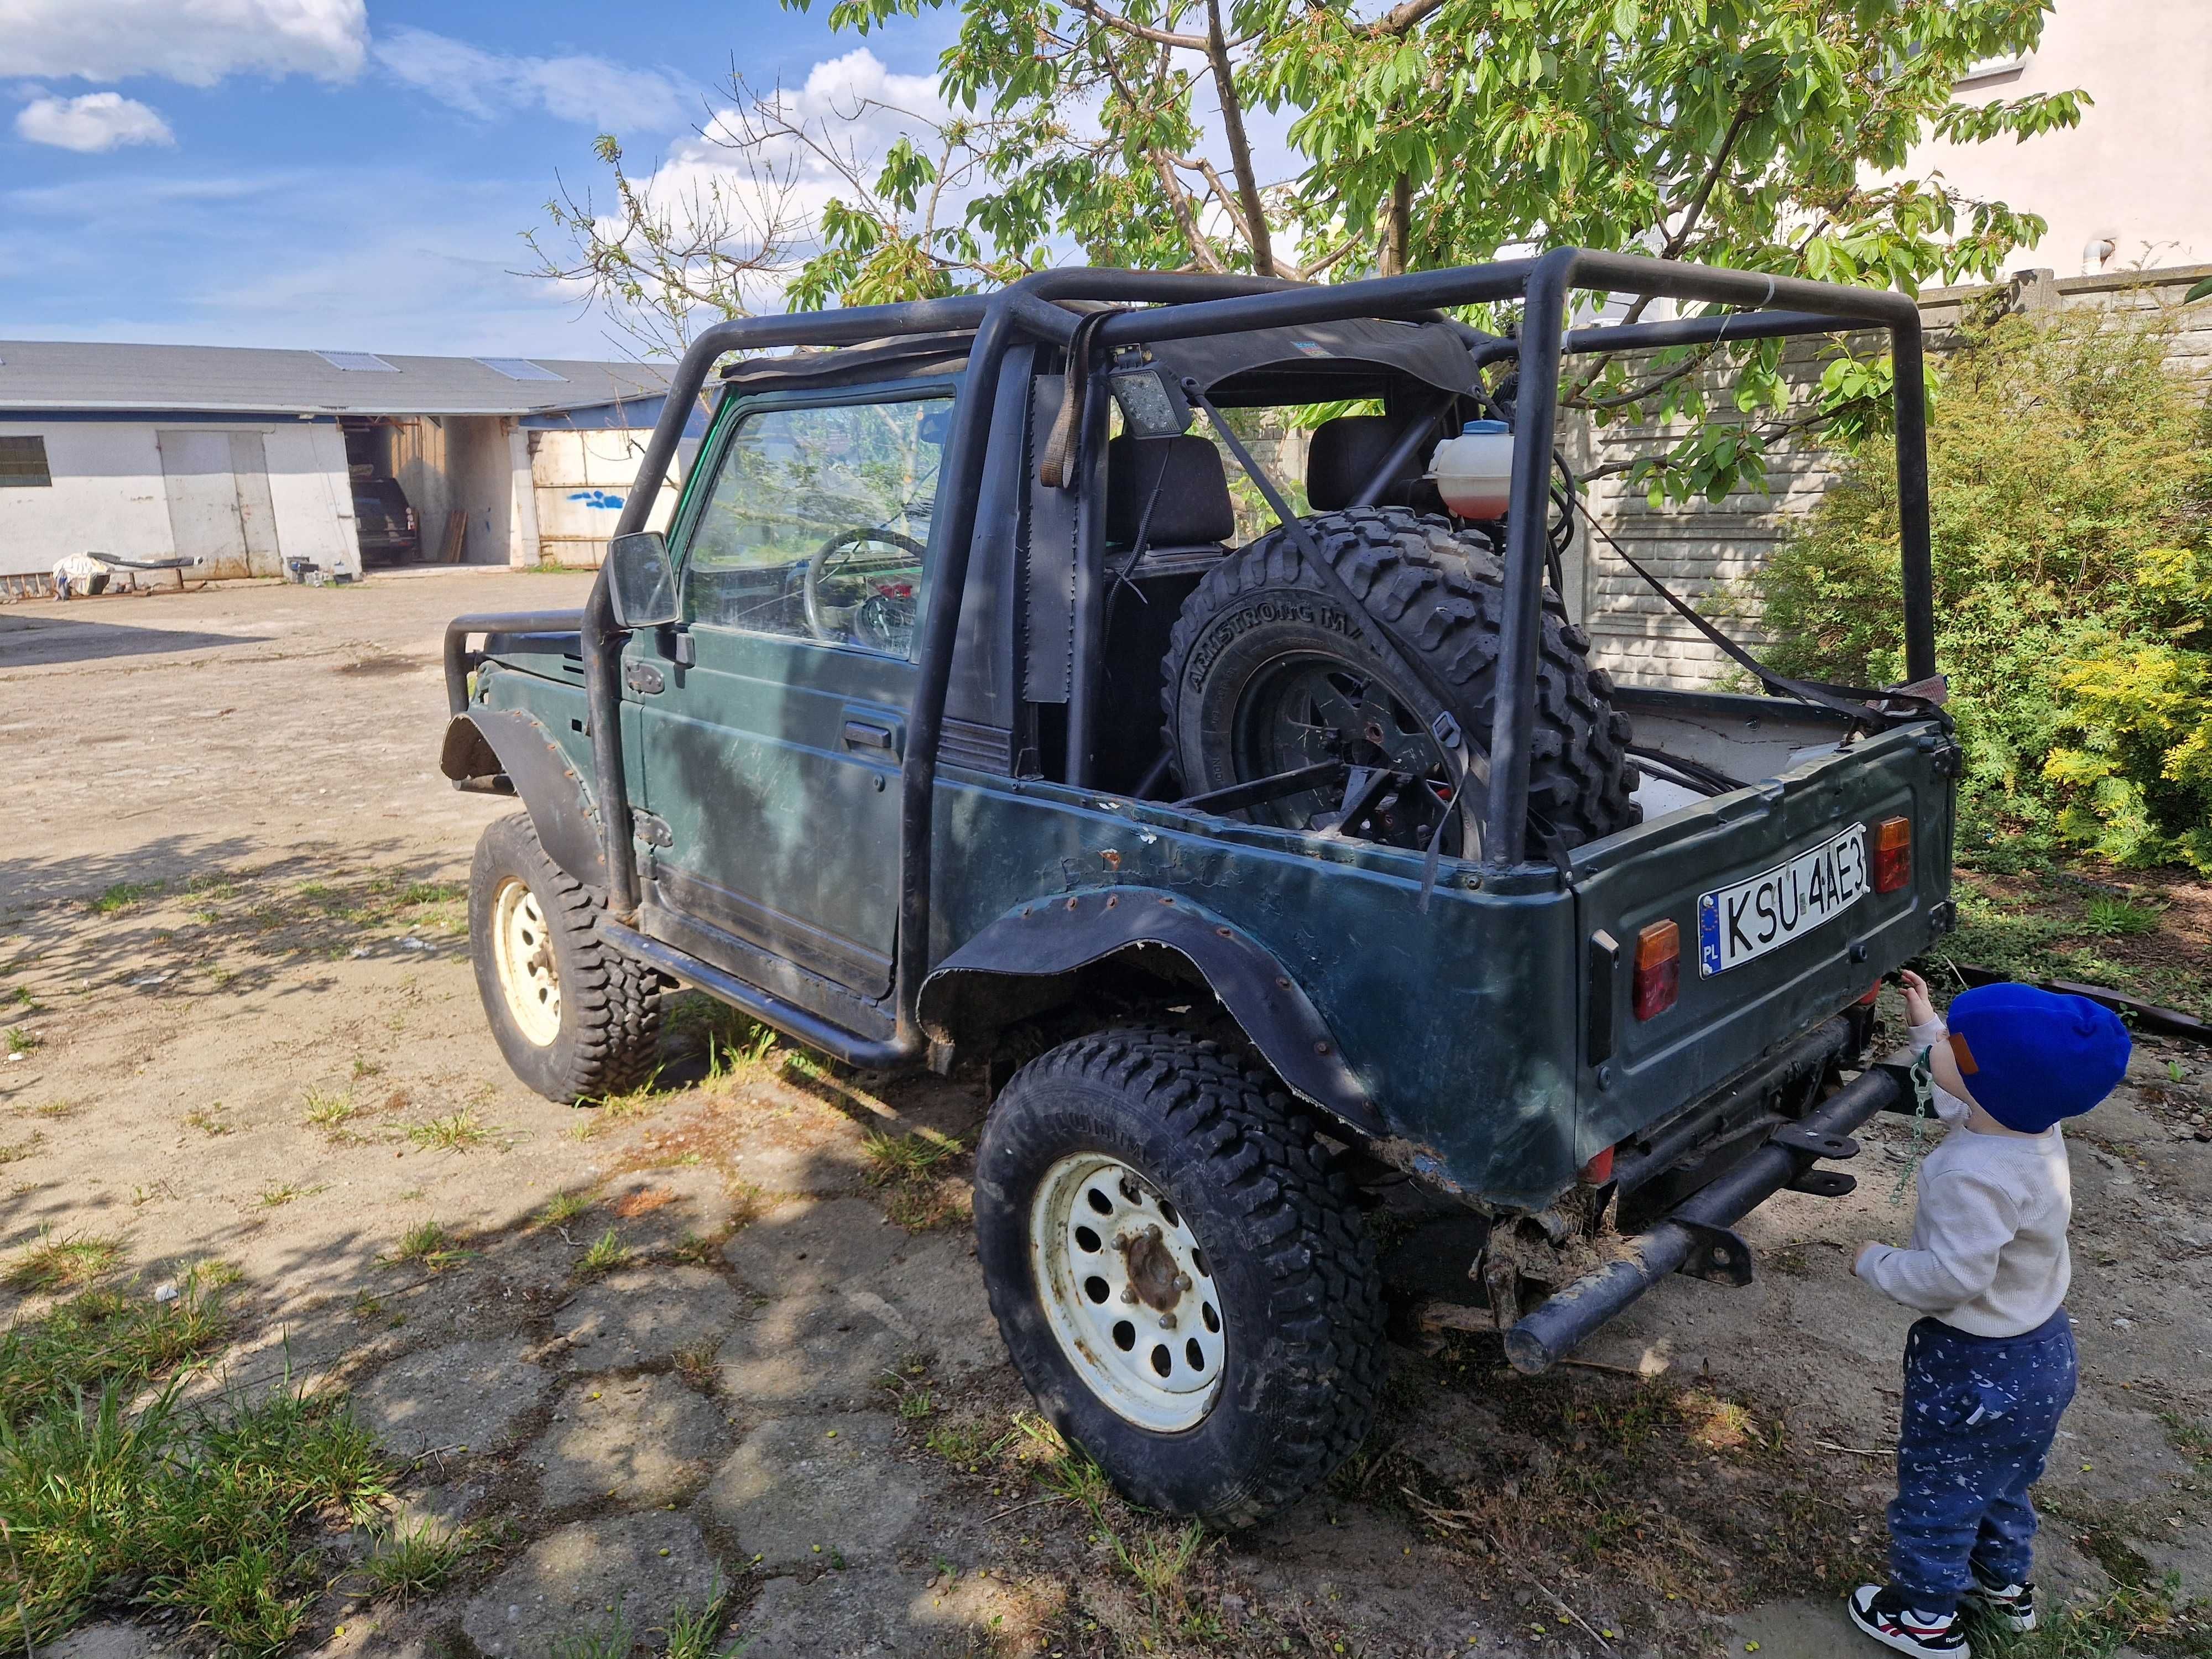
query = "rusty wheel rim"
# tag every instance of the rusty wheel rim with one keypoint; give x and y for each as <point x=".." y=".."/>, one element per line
<point x="1128" y="1291"/>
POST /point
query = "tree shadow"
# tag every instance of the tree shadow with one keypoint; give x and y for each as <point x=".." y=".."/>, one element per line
<point x="43" y="641"/>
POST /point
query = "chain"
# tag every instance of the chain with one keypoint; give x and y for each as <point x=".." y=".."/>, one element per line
<point x="1924" y="1101"/>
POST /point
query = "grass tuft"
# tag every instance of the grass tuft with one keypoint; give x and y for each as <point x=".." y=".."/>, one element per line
<point x="692" y="1634"/>
<point x="408" y="1565"/>
<point x="124" y="895"/>
<point x="20" y="1041"/>
<point x="428" y="1246"/>
<point x="62" y="1264"/>
<point x="611" y="1640"/>
<point x="2112" y="917"/>
<point x="607" y="1253"/>
<point x="328" y="1109"/>
<point x="561" y="1209"/>
<point x="455" y="1132"/>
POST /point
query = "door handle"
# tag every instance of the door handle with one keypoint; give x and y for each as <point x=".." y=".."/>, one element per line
<point x="871" y="734"/>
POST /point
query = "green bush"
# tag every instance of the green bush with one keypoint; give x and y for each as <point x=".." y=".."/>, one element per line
<point x="2071" y="479"/>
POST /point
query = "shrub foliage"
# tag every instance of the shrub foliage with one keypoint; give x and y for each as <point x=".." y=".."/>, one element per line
<point x="2071" y="473"/>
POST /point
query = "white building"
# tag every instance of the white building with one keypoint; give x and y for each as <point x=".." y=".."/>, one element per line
<point x="2131" y="188"/>
<point x="245" y="461"/>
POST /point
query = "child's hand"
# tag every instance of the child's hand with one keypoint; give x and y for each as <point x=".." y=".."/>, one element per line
<point x="1918" y="1009"/>
<point x="1859" y="1260"/>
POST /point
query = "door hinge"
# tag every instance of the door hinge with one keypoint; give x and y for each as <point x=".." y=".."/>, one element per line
<point x="652" y="831"/>
<point x="643" y="678"/>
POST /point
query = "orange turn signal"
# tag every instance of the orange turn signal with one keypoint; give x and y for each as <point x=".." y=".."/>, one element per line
<point x="1658" y="970"/>
<point x="1893" y="854"/>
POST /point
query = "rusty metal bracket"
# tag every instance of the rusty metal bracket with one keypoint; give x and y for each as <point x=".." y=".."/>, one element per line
<point x="1815" y="1143"/>
<point x="1717" y="1254"/>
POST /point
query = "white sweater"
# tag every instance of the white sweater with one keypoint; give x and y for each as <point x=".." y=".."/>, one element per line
<point x="1988" y="1239"/>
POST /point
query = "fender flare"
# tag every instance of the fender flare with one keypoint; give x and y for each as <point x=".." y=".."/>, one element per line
<point x="1060" y="934"/>
<point x="508" y="752"/>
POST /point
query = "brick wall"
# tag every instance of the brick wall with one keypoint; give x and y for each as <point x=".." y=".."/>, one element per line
<point x="1709" y="548"/>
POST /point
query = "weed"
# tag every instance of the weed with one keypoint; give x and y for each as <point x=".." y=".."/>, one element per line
<point x="2189" y="1436"/>
<point x="101" y="1337"/>
<point x="561" y="1208"/>
<point x="428" y="1246"/>
<point x="57" y="1109"/>
<point x="2176" y="1071"/>
<point x="362" y="1068"/>
<point x="692" y="1635"/>
<point x="607" y="1253"/>
<point x="124" y="895"/>
<point x="20" y="1041"/>
<point x="15" y="1152"/>
<point x="2111" y="916"/>
<point x="914" y="1404"/>
<point x="208" y="1120"/>
<point x="275" y="1198"/>
<point x="62" y="1264"/>
<point x="906" y="1157"/>
<point x="695" y="1364"/>
<point x="1159" y="1561"/>
<point x="327" y="1109"/>
<point x="611" y="1640"/>
<point x="20" y="996"/>
<point x="412" y="1564"/>
<point x="456" y="1133"/>
<point x="221" y="978"/>
<point x="366" y="1305"/>
<point x="633" y="1102"/>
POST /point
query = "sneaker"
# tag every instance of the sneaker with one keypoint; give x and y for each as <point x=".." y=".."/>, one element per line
<point x="1882" y="1612"/>
<point x="2009" y="1606"/>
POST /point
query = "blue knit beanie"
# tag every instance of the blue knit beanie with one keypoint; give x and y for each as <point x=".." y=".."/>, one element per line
<point x="2032" y="1057"/>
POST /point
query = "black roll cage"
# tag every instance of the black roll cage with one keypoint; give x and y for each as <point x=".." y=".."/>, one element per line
<point x="1175" y="305"/>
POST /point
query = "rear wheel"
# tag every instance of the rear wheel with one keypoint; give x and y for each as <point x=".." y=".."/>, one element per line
<point x="1179" y="1272"/>
<point x="574" y="1019"/>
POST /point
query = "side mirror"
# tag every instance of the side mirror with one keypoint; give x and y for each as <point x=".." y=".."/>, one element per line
<point x="641" y="581"/>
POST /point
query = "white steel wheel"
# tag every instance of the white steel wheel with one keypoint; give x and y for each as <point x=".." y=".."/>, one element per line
<point x="522" y="950"/>
<point x="1126" y="1292"/>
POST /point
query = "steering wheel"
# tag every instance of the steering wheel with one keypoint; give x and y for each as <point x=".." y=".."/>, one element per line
<point x="840" y="548"/>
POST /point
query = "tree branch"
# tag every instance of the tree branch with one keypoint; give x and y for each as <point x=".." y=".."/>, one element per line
<point x="1122" y="25"/>
<point x="1240" y="147"/>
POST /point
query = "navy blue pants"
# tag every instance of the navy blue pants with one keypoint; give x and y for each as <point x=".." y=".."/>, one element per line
<point x="1980" y="1413"/>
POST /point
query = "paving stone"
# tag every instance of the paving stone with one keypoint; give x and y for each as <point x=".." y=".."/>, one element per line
<point x="644" y="1314"/>
<point x="877" y="1610"/>
<point x="811" y="1246"/>
<point x="465" y="1393"/>
<point x="937" y="1286"/>
<point x="581" y="1578"/>
<point x="641" y="1440"/>
<point x="108" y="1641"/>
<point x="803" y="1491"/>
<point x="819" y="1350"/>
<point x="657" y="1209"/>
<point x="771" y="1161"/>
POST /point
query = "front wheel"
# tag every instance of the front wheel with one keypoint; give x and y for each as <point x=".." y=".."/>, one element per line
<point x="574" y="1019"/>
<point x="1179" y="1272"/>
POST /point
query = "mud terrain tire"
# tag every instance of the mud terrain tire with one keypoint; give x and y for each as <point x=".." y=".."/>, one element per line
<point x="1261" y="615"/>
<point x="531" y="921"/>
<point x="1275" y="1265"/>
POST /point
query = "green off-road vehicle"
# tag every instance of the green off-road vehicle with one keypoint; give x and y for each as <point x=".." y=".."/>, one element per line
<point x="1308" y="865"/>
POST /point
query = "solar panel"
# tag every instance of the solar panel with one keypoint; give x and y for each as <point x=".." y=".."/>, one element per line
<point x="521" y="368"/>
<point x="366" y="361"/>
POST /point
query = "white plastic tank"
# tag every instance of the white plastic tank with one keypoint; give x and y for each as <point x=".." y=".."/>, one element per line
<point x="1473" y="472"/>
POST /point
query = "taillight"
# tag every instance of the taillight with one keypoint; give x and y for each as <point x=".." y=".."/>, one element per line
<point x="1658" y="970"/>
<point x="1893" y="854"/>
<point x="1599" y="1170"/>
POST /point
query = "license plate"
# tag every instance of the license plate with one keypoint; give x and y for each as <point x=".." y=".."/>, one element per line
<point x="1737" y="924"/>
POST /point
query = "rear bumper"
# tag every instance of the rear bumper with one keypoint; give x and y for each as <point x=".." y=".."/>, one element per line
<point x="1695" y="1237"/>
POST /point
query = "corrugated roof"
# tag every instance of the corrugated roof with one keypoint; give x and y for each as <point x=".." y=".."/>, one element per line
<point x="70" y="375"/>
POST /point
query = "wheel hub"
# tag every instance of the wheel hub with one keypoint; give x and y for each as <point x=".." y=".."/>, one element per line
<point x="1128" y="1293"/>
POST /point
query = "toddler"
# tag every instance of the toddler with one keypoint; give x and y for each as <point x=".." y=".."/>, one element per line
<point x="1989" y="1370"/>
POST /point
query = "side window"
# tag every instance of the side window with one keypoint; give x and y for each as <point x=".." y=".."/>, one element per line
<point x="817" y="523"/>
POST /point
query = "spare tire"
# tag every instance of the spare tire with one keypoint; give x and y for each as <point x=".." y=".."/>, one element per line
<point x="1266" y="673"/>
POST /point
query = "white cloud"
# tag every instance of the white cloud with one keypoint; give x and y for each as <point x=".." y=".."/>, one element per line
<point x="608" y="95"/>
<point x="195" y="41"/>
<point x="97" y="121"/>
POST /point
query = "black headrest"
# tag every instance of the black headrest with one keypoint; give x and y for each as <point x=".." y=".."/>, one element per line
<point x="1345" y="456"/>
<point x="1193" y="505"/>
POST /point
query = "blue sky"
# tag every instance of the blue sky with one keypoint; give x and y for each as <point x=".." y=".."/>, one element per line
<point x="320" y="173"/>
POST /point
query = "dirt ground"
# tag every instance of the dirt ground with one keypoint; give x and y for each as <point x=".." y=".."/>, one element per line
<point x="713" y="1337"/>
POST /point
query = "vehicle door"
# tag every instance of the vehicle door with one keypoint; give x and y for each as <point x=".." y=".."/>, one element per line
<point x="773" y="718"/>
